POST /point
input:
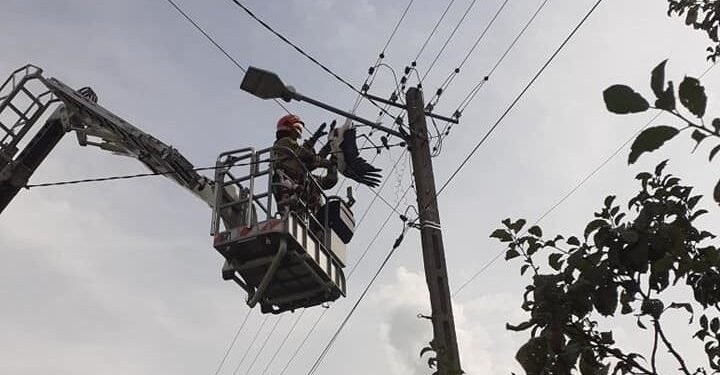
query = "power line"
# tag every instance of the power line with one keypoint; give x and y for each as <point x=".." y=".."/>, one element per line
<point x="476" y="89"/>
<point x="329" y="345"/>
<point x="375" y="237"/>
<point x="252" y="342"/>
<point x="302" y="52"/>
<point x="232" y="343"/>
<point x="571" y="192"/>
<point x="560" y="202"/>
<point x="456" y="71"/>
<point x="149" y="174"/>
<point x="297" y="350"/>
<point x="413" y="64"/>
<point x="447" y="41"/>
<point x="422" y="49"/>
<point x="517" y="99"/>
<point x="262" y="347"/>
<point x="471" y="95"/>
<point x="216" y="44"/>
<point x="284" y="340"/>
<point x="352" y="271"/>
<point x="397" y="25"/>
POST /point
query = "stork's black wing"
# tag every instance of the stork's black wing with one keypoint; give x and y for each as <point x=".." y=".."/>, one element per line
<point x="356" y="167"/>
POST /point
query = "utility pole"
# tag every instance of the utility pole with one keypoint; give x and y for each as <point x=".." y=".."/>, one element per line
<point x="267" y="85"/>
<point x="445" y="340"/>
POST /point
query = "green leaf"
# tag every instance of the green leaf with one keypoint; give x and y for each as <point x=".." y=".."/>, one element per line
<point x="512" y="253"/>
<point x="685" y="306"/>
<point x="698" y="136"/>
<point x="716" y="193"/>
<point x="425" y="350"/>
<point x="692" y="96"/>
<point x="520" y="327"/>
<point x="665" y="97"/>
<point x="535" y="231"/>
<point x="622" y="99"/>
<point x="650" y="140"/>
<point x="714" y="152"/>
<point x="640" y="324"/>
<point x="659" y="168"/>
<point x="507" y="223"/>
<point x="697" y="214"/>
<point x="502" y="235"/>
<point x="554" y="261"/>
<point x="657" y="81"/>
<point x="704" y="322"/>
<point x="533" y="355"/>
<point x="715" y="325"/>
<point x="593" y="226"/>
<point x="518" y="225"/>
<point x="666" y="101"/>
<point x="609" y="200"/>
<point x="716" y="124"/>
<point x="606" y="300"/>
<point x="573" y="241"/>
<point x="643" y="176"/>
<point x="692" y="16"/>
<point x="523" y="269"/>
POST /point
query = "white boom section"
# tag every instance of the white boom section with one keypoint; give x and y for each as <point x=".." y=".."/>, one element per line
<point x="96" y="126"/>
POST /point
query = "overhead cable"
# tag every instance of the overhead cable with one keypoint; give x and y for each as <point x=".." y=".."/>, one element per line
<point x="302" y="52"/>
<point x="447" y="41"/>
<point x="517" y="99"/>
<point x="434" y="100"/>
<point x="572" y="191"/>
<point x="232" y="343"/>
<point x="340" y="328"/>
<point x="262" y="347"/>
<point x="471" y="95"/>
<point x="282" y="343"/>
<point x="352" y="271"/>
<point x="252" y="342"/>
<point x="216" y="44"/>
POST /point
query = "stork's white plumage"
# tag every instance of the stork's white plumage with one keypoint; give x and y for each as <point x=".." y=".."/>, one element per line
<point x="343" y="144"/>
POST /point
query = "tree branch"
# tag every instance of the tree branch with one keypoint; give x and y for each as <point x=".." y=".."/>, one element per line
<point x="677" y="356"/>
<point x="616" y="353"/>
<point x="694" y="125"/>
<point x="654" y="352"/>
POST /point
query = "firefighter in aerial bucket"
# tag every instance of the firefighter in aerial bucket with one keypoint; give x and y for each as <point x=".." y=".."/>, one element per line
<point x="294" y="162"/>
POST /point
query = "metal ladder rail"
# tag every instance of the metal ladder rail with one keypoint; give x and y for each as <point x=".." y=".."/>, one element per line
<point x="25" y="119"/>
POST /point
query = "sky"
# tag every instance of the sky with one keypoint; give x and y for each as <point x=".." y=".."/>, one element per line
<point x="121" y="277"/>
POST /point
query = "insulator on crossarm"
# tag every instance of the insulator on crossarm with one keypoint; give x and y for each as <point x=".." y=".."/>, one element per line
<point x="382" y="55"/>
<point x="365" y="87"/>
<point x="371" y="70"/>
<point x="487" y="78"/>
<point x="439" y="92"/>
<point x="429" y="107"/>
<point x="403" y="80"/>
<point x="393" y="97"/>
<point x="413" y="64"/>
<point x="457" y="114"/>
<point x="457" y="70"/>
<point x="407" y="70"/>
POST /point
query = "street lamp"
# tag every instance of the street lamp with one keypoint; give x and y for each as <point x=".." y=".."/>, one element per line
<point x="267" y="85"/>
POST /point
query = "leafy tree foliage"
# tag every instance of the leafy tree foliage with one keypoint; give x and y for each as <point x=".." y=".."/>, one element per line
<point x="702" y="15"/>
<point x="622" y="99"/>
<point x="624" y="263"/>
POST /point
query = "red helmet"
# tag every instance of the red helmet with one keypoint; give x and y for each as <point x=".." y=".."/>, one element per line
<point x="290" y="123"/>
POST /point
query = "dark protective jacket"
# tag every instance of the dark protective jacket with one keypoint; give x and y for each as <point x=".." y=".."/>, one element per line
<point x="296" y="161"/>
<point x="290" y="157"/>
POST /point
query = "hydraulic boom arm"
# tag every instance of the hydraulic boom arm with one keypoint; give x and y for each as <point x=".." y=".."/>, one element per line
<point x="25" y="97"/>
